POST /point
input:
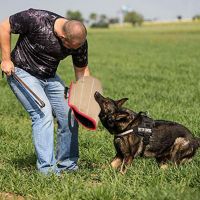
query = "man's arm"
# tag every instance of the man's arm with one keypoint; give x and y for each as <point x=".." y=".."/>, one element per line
<point x="80" y="72"/>
<point x="7" y="65"/>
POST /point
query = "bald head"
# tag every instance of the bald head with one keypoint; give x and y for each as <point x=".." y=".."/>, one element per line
<point x="74" y="31"/>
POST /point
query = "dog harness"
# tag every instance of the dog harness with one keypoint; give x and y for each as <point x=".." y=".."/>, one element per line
<point x="144" y="130"/>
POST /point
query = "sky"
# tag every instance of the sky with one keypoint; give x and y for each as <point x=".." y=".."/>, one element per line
<point x="150" y="9"/>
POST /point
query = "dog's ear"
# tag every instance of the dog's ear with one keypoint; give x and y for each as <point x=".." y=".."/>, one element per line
<point x="121" y="102"/>
<point x="121" y="116"/>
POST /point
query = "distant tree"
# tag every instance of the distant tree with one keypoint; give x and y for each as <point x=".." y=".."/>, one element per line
<point x="179" y="17"/>
<point x="133" y="18"/>
<point x="93" y="17"/>
<point x="113" y="20"/>
<point x="196" y="17"/>
<point x="103" y="17"/>
<point x="75" y="15"/>
<point x="101" y="23"/>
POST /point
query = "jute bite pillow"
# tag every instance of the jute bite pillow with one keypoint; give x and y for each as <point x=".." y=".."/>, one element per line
<point x="81" y="101"/>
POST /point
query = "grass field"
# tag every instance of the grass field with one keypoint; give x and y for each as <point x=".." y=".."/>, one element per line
<point x="157" y="68"/>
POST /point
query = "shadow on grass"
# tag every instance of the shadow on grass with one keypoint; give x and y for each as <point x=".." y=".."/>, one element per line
<point x="27" y="162"/>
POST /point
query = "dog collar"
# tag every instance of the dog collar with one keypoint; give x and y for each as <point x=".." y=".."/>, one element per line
<point x="125" y="133"/>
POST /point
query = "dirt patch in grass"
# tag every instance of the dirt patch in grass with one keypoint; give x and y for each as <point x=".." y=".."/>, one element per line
<point x="10" y="196"/>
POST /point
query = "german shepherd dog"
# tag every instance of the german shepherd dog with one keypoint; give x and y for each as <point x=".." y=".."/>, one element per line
<point x="137" y="134"/>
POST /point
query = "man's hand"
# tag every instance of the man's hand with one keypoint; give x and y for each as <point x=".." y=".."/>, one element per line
<point x="7" y="67"/>
<point x="80" y="72"/>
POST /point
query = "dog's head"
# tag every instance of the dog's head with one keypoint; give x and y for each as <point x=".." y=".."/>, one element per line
<point x="108" y="106"/>
<point x="113" y="117"/>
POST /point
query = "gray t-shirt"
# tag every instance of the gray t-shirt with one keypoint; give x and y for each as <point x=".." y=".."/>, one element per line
<point x="38" y="50"/>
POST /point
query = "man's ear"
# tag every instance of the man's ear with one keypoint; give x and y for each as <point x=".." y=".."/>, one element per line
<point x="121" y="102"/>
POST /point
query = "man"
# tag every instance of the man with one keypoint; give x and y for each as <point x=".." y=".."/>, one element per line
<point x="45" y="38"/>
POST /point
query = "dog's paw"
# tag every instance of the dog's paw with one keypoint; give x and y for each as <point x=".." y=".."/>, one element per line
<point x="116" y="163"/>
<point x="164" y="166"/>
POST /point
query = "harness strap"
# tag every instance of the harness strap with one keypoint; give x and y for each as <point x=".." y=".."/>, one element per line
<point x="125" y="133"/>
<point x="138" y="131"/>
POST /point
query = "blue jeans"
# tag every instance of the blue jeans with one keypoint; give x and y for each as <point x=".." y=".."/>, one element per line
<point x="51" y="91"/>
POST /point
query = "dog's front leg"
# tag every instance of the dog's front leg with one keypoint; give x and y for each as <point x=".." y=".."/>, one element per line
<point x="123" y="157"/>
<point x="125" y="163"/>
<point x="117" y="161"/>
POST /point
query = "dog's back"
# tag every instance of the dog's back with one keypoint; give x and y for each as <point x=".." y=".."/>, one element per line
<point x="171" y="141"/>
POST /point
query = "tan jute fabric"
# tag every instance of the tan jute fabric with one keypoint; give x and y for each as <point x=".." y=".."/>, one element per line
<point x="82" y="101"/>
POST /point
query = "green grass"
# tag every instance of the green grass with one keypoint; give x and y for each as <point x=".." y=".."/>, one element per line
<point x="157" y="68"/>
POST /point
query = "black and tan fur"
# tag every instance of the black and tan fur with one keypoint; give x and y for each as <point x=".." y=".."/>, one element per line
<point x="169" y="142"/>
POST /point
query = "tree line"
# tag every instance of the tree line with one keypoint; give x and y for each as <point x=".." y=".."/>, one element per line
<point x="103" y="21"/>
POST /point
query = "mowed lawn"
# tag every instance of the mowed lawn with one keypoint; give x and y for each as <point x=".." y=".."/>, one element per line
<point x="158" y="69"/>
